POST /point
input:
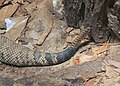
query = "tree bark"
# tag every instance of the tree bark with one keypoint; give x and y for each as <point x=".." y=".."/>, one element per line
<point x="101" y="16"/>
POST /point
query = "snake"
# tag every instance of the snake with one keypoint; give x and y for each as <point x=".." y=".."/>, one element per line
<point x="14" y="54"/>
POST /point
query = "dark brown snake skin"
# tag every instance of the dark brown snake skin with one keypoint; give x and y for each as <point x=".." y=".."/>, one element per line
<point x="18" y="55"/>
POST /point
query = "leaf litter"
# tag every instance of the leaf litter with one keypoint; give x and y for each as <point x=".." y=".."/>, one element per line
<point x="15" y="26"/>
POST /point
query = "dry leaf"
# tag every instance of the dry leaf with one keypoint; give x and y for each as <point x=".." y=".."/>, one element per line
<point x="41" y="25"/>
<point x="15" y="26"/>
<point x="97" y="51"/>
<point x="90" y="83"/>
<point x="85" y="58"/>
<point x="45" y="34"/>
<point x="79" y="59"/>
<point x="111" y="73"/>
<point x="114" y="63"/>
<point x="76" y="60"/>
<point x="7" y="11"/>
<point x="103" y="48"/>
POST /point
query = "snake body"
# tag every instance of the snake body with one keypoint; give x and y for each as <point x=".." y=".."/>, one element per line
<point x="14" y="54"/>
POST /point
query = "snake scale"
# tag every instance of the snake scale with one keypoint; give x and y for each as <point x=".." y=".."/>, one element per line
<point x="14" y="54"/>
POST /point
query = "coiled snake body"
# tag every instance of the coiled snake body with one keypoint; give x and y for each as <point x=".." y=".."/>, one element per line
<point x="18" y="55"/>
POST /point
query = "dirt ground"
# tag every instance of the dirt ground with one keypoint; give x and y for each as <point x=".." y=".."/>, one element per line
<point x="44" y="28"/>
